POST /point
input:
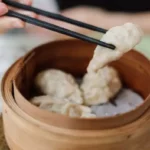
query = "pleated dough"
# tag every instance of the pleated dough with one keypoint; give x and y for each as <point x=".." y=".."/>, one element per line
<point x="62" y="107"/>
<point x="74" y="110"/>
<point x="100" y="87"/>
<point x="124" y="37"/>
<point x="58" y="84"/>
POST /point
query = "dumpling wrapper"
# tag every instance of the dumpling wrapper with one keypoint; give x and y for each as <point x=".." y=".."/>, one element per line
<point x="48" y="103"/>
<point x="62" y="107"/>
<point x="74" y="110"/>
<point x="100" y="87"/>
<point x="59" y="84"/>
<point x="124" y="37"/>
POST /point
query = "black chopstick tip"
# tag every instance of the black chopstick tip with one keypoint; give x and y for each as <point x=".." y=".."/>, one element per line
<point x="111" y="46"/>
<point x="107" y="45"/>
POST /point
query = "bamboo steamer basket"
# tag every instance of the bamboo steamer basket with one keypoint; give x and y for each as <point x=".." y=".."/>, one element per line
<point x="3" y="144"/>
<point x="30" y="128"/>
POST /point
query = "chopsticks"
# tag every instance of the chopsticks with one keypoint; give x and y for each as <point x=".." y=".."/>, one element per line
<point x="53" y="27"/>
<point x="54" y="16"/>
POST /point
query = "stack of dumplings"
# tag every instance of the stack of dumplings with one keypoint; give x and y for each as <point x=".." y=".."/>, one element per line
<point x="62" y="94"/>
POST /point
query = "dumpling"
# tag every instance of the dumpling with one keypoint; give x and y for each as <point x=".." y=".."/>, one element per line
<point x="75" y="110"/>
<point x="58" y="84"/>
<point x="62" y="107"/>
<point x="48" y="103"/>
<point x="44" y="99"/>
<point x="100" y="87"/>
<point x="124" y="37"/>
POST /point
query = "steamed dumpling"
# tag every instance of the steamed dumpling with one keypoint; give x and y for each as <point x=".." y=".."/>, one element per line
<point x="124" y="37"/>
<point x="74" y="110"/>
<point x="58" y="84"/>
<point x="48" y="103"/>
<point x="62" y="107"/>
<point x="100" y="87"/>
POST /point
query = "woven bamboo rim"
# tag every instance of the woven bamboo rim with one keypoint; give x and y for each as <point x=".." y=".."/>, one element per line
<point x="3" y="144"/>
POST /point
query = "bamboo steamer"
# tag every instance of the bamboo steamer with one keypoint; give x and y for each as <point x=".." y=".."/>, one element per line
<point x="30" y="128"/>
<point x="3" y="144"/>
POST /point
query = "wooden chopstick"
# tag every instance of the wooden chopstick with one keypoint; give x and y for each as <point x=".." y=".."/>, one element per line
<point x="53" y="27"/>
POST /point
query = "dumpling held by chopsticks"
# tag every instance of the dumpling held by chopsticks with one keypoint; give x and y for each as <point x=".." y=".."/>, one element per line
<point x="124" y="37"/>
